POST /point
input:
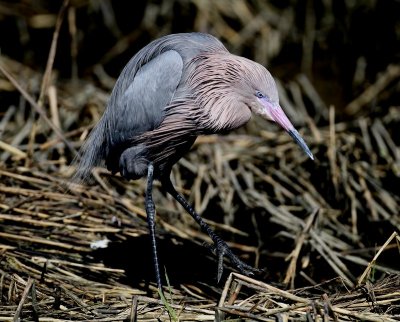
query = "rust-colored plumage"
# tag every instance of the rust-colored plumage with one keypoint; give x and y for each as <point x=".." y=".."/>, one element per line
<point x="174" y="89"/>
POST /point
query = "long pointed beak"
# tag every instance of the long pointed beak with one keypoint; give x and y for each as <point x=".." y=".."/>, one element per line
<point x="275" y="112"/>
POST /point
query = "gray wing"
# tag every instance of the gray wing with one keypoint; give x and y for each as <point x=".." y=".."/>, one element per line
<point x="141" y="107"/>
<point x="146" y="86"/>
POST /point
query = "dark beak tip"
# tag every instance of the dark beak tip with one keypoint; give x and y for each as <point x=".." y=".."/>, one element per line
<point x="299" y="140"/>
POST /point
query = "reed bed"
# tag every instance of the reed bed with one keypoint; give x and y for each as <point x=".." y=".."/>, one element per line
<point x="326" y="232"/>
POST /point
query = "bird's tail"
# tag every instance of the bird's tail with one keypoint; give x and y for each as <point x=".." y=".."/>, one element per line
<point x="91" y="154"/>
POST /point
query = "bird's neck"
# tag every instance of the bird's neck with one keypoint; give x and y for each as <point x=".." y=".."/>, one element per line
<point x="213" y="81"/>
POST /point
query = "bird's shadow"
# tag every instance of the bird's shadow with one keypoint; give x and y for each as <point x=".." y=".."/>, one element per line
<point x="185" y="261"/>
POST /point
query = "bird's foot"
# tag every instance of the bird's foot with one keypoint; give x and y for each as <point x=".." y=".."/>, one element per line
<point x="222" y="250"/>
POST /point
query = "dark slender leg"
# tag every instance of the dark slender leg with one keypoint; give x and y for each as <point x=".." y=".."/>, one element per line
<point x="151" y="212"/>
<point x="221" y="247"/>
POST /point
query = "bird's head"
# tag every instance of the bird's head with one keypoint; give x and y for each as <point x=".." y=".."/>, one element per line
<point x="263" y="100"/>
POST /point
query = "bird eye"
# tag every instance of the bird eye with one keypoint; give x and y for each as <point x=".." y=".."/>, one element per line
<point x="259" y="94"/>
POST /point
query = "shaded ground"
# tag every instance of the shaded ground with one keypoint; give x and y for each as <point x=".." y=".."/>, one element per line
<point x="315" y="226"/>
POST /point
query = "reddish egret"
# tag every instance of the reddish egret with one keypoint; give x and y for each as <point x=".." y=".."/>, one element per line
<point x="174" y="89"/>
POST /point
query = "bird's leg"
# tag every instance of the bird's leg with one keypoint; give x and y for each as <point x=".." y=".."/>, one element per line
<point x="221" y="247"/>
<point x="151" y="212"/>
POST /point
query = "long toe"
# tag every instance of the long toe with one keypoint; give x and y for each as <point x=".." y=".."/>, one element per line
<point x="222" y="250"/>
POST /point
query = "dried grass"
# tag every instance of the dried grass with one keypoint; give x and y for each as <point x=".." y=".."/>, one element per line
<point x="319" y="227"/>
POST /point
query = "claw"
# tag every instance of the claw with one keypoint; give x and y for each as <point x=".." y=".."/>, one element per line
<point x="222" y="249"/>
<point x="220" y="268"/>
